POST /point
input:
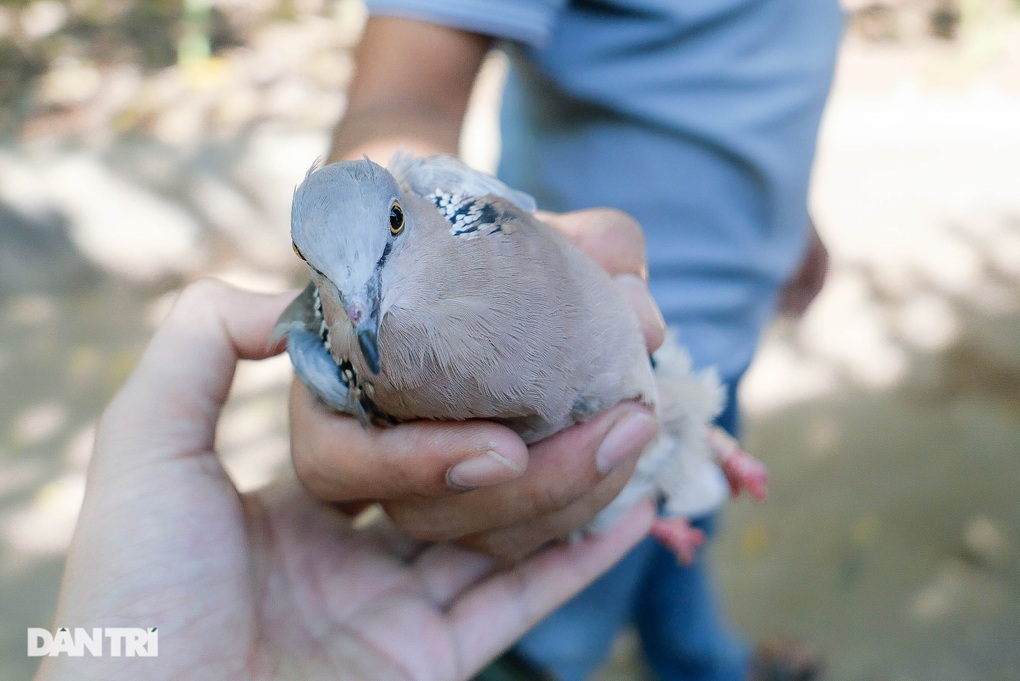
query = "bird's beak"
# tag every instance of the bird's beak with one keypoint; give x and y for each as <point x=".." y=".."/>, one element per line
<point x="368" y="339"/>
<point x="364" y="315"/>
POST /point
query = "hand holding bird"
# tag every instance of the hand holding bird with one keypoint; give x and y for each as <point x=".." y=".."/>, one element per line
<point x="436" y="294"/>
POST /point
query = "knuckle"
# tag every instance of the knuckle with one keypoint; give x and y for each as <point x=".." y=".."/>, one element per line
<point x="618" y="221"/>
<point x="621" y="227"/>
<point x="620" y="240"/>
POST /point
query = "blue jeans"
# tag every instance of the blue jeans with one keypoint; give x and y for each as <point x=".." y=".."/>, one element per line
<point x="674" y="608"/>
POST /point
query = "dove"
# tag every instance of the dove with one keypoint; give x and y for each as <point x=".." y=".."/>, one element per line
<point x="436" y="293"/>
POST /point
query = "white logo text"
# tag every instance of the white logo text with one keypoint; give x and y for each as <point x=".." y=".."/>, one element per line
<point x="95" y="642"/>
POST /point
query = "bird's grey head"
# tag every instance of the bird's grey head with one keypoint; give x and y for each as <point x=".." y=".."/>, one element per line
<point x="346" y="220"/>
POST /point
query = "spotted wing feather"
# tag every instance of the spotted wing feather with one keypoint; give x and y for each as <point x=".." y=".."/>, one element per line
<point x="449" y="176"/>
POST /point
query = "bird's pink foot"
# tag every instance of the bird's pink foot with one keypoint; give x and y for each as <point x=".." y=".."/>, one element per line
<point x="677" y="535"/>
<point x="742" y="470"/>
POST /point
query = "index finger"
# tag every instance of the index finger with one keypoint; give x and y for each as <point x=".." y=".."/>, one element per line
<point x="338" y="460"/>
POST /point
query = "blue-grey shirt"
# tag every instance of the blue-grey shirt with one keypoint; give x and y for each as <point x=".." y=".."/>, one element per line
<point x="697" y="117"/>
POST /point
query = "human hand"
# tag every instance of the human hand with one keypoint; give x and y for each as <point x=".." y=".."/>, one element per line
<point x="798" y="293"/>
<point x="273" y="583"/>
<point x="518" y="498"/>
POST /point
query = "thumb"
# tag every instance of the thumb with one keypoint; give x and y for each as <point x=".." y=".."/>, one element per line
<point x="169" y="405"/>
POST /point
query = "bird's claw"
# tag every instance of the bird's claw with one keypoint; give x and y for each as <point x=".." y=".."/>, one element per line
<point x="677" y="535"/>
<point x="743" y="471"/>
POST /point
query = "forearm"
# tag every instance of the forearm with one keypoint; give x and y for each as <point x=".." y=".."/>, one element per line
<point x="378" y="134"/>
<point x="411" y="88"/>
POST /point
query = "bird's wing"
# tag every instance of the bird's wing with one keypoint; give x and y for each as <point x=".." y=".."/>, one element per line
<point x="449" y="176"/>
<point x="301" y="323"/>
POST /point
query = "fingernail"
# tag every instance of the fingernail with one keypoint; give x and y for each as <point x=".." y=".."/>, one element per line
<point x="483" y="470"/>
<point x="630" y="434"/>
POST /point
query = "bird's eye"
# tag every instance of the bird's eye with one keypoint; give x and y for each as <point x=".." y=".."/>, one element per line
<point x="396" y="219"/>
<point x="298" y="251"/>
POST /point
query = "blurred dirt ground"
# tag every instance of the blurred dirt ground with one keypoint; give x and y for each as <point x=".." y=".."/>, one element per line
<point x="133" y="160"/>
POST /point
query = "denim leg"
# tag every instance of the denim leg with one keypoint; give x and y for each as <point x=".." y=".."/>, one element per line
<point x="729" y="419"/>
<point x="681" y="623"/>
<point x="678" y="614"/>
<point x="575" y="640"/>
